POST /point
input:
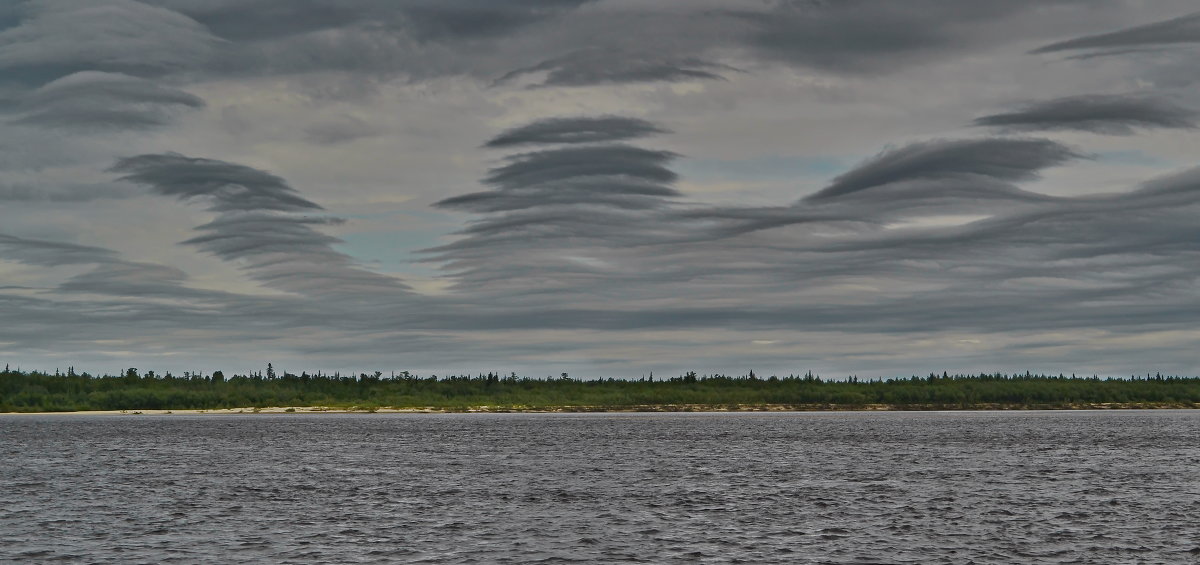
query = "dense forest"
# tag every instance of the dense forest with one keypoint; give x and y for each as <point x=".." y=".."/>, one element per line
<point x="34" y="391"/>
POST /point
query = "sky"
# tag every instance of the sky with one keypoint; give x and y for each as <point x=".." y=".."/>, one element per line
<point x="606" y="188"/>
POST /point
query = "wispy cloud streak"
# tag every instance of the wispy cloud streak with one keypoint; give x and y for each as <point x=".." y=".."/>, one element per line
<point x="1118" y="114"/>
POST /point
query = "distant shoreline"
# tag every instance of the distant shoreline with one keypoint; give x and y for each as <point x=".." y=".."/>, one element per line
<point x="641" y="408"/>
<point x="134" y="393"/>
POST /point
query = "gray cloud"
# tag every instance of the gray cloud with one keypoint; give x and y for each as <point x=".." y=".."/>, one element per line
<point x="1183" y="29"/>
<point x="575" y="130"/>
<point x="616" y="65"/>
<point x="58" y="192"/>
<point x="875" y="35"/>
<point x="860" y="261"/>
<point x="113" y="86"/>
<point x="616" y="175"/>
<point x="542" y="167"/>
<point x="340" y="129"/>
<point x="539" y="222"/>
<point x="1113" y="53"/>
<point x="615" y="192"/>
<point x="849" y="37"/>
<point x="254" y="227"/>
<point x="90" y="100"/>
<point x="1108" y="114"/>
<point x="472" y="18"/>
<point x="238" y="20"/>
<point x="555" y="210"/>
<point x="110" y="274"/>
<point x="51" y="253"/>
<point x="366" y="41"/>
<point x="121" y="36"/>
<point x="371" y="40"/>
<point x="126" y="278"/>
<point x="585" y="250"/>
<point x="228" y="186"/>
<point x="725" y="222"/>
<point x="1186" y="182"/>
<point x="287" y="253"/>
<point x="427" y="19"/>
<point x="967" y="159"/>
<point x="246" y="236"/>
<point x="10" y="14"/>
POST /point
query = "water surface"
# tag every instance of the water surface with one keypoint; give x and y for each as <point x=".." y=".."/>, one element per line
<point x="961" y="487"/>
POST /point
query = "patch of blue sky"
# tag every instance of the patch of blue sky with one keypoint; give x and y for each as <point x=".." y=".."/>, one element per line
<point x="391" y="252"/>
<point x="395" y="249"/>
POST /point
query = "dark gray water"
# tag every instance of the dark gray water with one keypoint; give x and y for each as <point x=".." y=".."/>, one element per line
<point x="975" y="487"/>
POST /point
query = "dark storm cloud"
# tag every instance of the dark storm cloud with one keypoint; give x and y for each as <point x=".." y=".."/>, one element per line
<point x="1183" y="29"/>
<point x="969" y="159"/>
<point x="227" y="186"/>
<point x="90" y="100"/>
<point x="575" y="130"/>
<point x="616" y="66"/>
<point x="1117" y="114"/>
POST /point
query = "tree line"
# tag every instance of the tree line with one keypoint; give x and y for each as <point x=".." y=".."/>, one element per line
<point x="35" y="391"/>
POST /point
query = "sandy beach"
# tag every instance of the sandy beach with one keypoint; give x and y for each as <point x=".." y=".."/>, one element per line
<point x="230" y="411"/>
<point x="291" y="410"/>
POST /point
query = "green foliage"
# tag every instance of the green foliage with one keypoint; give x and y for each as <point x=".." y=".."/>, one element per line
<point x="43" y="392"/>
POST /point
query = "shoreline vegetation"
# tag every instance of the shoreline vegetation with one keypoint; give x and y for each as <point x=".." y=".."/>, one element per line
<point x="258" y="393"/>
<point x="645" y="408"/>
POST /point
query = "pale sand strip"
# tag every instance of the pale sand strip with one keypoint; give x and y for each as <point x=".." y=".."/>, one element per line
<point x="285" y="410"/>
<point x="226" y="411"/>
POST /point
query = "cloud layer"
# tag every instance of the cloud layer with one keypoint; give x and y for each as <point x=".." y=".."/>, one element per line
<point x="1180" y="30"/>
<point x="1107" y="114"/>
<point x="851" y="187"/>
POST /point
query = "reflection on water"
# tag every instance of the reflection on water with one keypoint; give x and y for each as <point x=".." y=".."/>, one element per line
<point x="974" y="487"/>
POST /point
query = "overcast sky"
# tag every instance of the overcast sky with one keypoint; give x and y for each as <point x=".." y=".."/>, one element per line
<point x="601" y="187"/>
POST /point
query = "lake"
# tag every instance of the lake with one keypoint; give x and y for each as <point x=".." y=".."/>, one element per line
<point x="836" y="487"/>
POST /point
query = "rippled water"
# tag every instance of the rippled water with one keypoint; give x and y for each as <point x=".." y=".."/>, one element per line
<point x="975" y="487"/>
